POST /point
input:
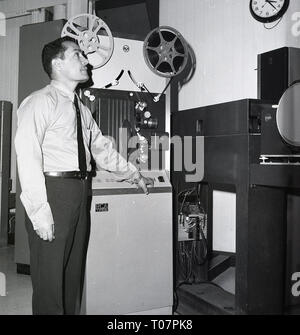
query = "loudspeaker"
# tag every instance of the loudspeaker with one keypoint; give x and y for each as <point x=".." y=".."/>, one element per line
<point x="277" y="70"/>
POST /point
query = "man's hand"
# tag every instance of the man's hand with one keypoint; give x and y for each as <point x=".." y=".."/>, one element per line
<point x="144" y="183"/>
<point x="46" y="233"/>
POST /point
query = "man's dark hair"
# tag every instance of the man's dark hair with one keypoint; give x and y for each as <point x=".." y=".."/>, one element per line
<point x="52" y="50"/>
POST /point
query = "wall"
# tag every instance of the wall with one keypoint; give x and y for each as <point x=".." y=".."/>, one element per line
<point x="226" y="40"/>
<point x="9" y="71"/>
<point x="9" y="50"/>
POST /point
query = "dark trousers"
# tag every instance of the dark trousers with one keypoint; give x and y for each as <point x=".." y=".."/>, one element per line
<point x="57" y="267"/>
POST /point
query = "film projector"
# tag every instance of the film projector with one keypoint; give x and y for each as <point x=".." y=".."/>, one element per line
<point x="165" y="54"/>
<point x="129" y="266"/>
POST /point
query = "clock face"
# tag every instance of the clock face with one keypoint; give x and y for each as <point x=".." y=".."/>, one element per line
<point x="268" y="10"/>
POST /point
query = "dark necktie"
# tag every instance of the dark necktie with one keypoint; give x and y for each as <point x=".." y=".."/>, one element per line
<point x="81" y="150"/>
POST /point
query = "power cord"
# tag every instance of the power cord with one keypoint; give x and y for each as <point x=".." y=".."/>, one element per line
<point x="194" y="253"/>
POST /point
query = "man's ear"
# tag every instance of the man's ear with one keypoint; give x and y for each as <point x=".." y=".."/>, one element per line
<point x="56" y="64"/>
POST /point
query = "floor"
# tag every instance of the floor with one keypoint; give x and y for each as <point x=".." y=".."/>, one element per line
<point x="15" y="293"/>
<point x="204" y="298"/>
<point x="227" y="280"/>
<point x="15" y="289"/>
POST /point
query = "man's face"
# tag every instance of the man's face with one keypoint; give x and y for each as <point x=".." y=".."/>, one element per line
<point x="73" y="66"/>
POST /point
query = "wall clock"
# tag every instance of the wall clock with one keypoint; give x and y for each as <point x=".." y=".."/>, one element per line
<point x="268" y="10"/>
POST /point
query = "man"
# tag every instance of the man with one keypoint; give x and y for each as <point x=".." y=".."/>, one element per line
<point x="55" y="138"/>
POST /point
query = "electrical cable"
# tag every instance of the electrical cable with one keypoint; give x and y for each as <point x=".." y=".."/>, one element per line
<point x="116" y="81"/>
<point x="194" y="253"/>
<point x="143" y="87"/>
<point x="140" y="85"/>
<point x="187" y="264"/>
<point x="269" y="28"/>
<point x="198" y="192"/>
<point x="164" y="90"/>
<point x="185" y="261"/>
<point x="200" y="260"/>
<point x="187" y="192"/>
<point x="11" y="222"/>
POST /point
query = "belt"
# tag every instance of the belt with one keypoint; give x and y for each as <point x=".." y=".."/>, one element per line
<point x="69" y="174"/>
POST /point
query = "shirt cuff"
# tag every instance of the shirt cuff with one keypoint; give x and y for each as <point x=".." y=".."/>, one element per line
<point x="40" y="215"/>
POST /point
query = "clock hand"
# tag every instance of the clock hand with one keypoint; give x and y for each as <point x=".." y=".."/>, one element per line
<point x="270" y="3"/>
<point x="266" y="1"/>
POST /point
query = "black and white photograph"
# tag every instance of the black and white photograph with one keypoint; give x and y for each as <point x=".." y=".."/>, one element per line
<point x="149" y="160"/>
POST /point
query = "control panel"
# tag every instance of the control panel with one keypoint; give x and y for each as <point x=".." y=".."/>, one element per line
<point x="107" y="180"/>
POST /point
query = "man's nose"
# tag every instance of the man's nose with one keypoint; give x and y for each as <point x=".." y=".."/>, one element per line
<point x="84" y="60"/>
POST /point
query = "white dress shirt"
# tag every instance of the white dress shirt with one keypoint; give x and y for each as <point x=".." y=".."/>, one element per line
<point x="46" y="140"/>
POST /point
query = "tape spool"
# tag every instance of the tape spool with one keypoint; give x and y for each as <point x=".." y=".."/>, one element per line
<point x="165" y="51"/>
<point x="93" y="37"/>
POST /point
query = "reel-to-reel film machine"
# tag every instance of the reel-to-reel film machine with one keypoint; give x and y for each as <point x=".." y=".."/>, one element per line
<point x="144" y="69"/>
<point x="165" y="50"/>
<point x="129" y="266"/>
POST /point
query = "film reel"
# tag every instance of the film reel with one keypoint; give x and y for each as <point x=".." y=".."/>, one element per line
<point x="165" y="51"/>
<point x="93" y="36"/>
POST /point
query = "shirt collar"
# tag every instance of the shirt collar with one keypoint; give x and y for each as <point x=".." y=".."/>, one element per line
<point x="63" y="89"/>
